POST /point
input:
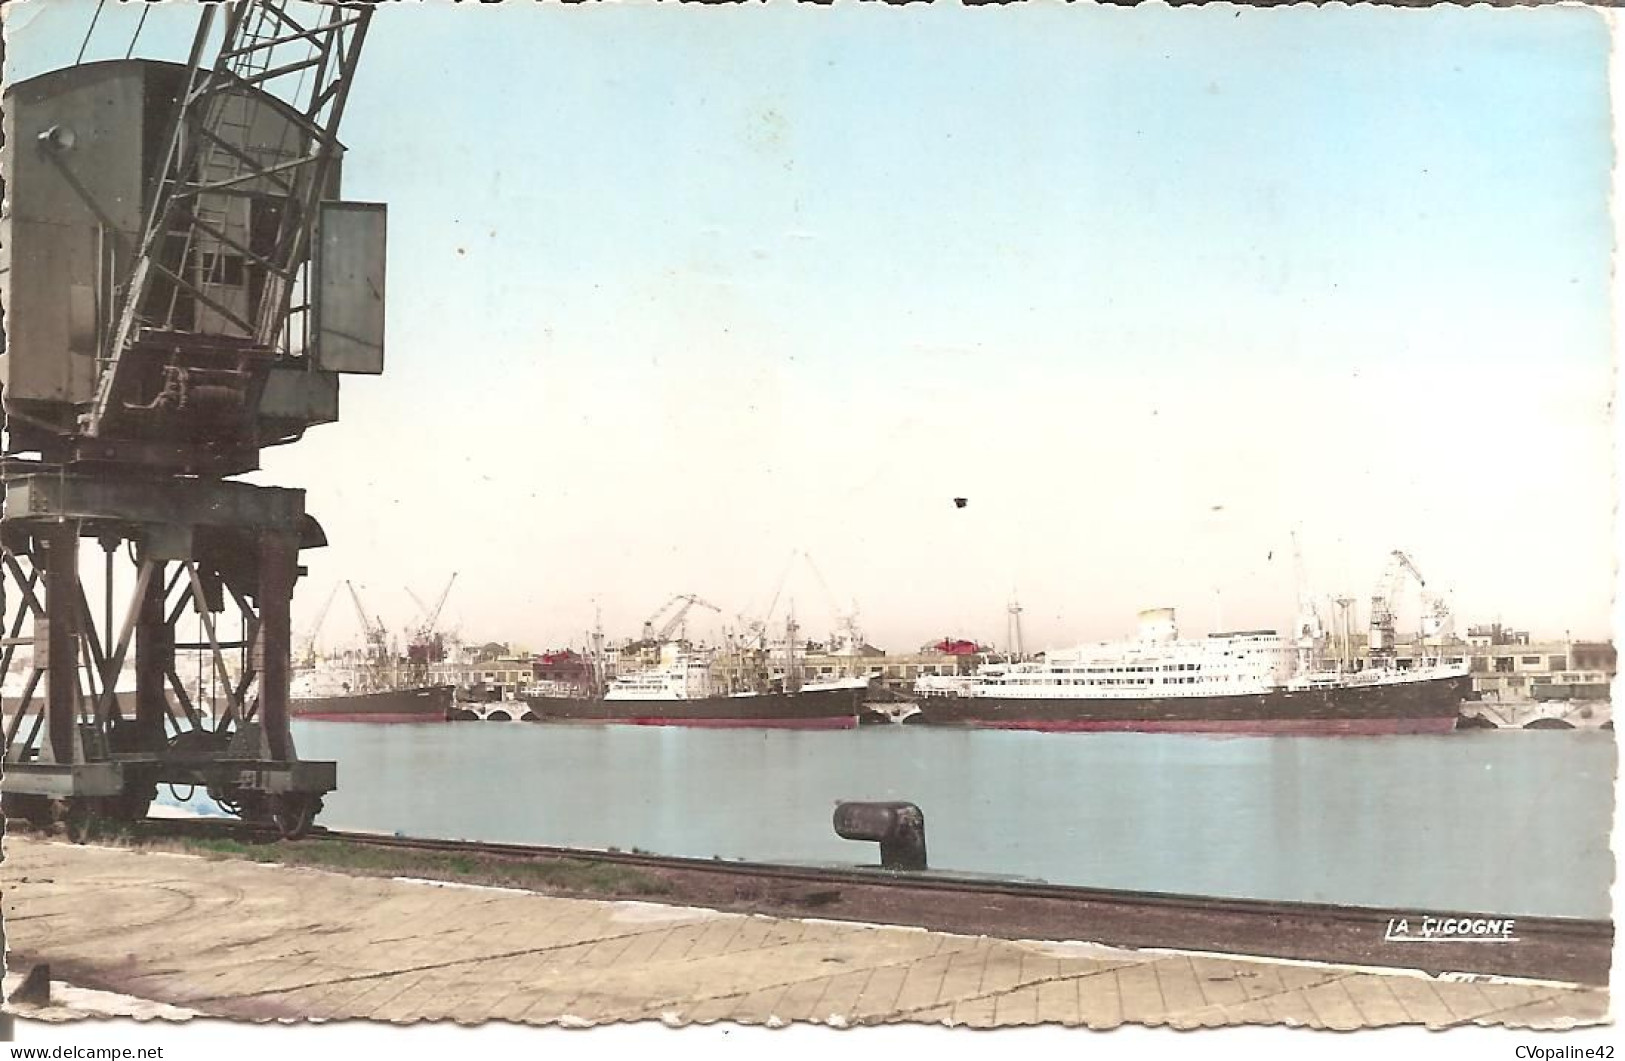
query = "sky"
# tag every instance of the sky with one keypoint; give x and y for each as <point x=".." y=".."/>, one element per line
<point x="680" y="294"/>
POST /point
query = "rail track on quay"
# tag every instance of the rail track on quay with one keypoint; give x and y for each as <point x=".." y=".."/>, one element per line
<point x="1567" y="950"/>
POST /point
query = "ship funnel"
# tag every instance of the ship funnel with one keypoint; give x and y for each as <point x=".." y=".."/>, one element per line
<point x="1157" y="625"/>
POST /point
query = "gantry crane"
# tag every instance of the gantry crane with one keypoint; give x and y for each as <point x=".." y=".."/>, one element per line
<point x="194" y="288"/>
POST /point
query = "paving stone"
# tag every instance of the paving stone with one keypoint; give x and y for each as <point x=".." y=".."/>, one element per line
<point x="1017" y="1007"/>
<point x="963" y="976"/>
<point x="1058" y="1002"/>
<point x="240" y="939"/>
<point x="800" y="1001"/>
<point x="1100" y="998"/>
<point x="880" y="994"/>
<point x="1177" y="979"/>
<point x="1378" y="1004"/>
<point x="1333" y="1007"/>
<point x="760" y="1006"/>
<point x="1421" y="1002"/>
<point x="1140" y="992"/>
<point x="975" y="1012"/>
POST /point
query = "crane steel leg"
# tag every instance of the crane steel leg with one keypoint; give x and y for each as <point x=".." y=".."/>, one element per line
<point x="278" y="572"/>
<point x="61" y="545"/>
<point x="154" y="659"/>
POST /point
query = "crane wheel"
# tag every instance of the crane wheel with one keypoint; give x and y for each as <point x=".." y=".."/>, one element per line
<point x="294" y="814"/>
<point x="82" y="818"/>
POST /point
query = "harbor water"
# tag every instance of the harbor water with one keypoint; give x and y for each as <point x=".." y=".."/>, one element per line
<point x="1493" y="821"/>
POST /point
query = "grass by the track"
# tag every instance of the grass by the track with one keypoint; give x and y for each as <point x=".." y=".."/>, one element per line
<point x="556" y="876"/>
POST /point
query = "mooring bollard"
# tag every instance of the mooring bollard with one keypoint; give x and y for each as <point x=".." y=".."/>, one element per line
<point x="899" y="828"/>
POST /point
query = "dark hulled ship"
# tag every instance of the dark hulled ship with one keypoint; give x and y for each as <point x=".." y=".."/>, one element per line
<point x="1252" y="681"/>
<point x="682" y="689"/>
<point x="365" y="691"/>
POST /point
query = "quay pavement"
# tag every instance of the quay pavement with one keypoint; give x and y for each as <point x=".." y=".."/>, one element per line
<point x="227" y="938"/>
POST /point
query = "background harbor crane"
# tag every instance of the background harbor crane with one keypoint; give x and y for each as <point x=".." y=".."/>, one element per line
<point x="308" y="657"/>
<point x="425" y="643"/>
<point x="374" y="635"/>
<point x="1434" y="618"/>
<point x="675" y="622"/>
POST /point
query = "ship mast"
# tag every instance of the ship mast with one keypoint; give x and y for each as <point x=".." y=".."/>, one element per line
<point x="595" y="673"/>
<point x="792" y="671"/>
<point x="1012" y="632"/>
<point x="1309" y="634"/>
<point x="1345" y="633"/>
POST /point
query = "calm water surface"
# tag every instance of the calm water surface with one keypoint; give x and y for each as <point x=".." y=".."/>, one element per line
<point x="1505" y="822"/>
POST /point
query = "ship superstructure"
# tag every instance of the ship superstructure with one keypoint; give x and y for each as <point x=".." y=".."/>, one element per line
<point x="685" y="687"/>
<point x="1242" y="681"/>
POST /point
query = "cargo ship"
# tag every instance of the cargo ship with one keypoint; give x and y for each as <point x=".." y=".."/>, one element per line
<point x="1244" y="682"/>
<point x="340" y="692"/>
<point x="682" y="689"/>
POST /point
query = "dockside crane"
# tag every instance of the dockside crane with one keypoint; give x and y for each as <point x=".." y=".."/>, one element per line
<point x="425" y="644"/>
<point x="846" y="628"/>
<point x="649" y="623"/>
<point x="1435" y="618"/>
<point x="1380" y="643"/>
<point x="683" y="602"/>
<point x="1308" y="631"/>
<point x="372" y="630"/>
<point x="195" y="287"/>
<point x="428" y="628"/>
<point x="423" y="624"/>
<point x="309" y="655"/>
<point x="1309" y="626"/>
<point x="753" y="629"/>
<point x="423" y="609"/>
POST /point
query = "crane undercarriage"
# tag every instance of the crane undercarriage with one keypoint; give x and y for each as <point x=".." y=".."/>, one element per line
<point x="81" y="745"/>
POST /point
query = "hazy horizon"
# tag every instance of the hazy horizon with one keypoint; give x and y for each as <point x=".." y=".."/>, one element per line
<point x="675" y="293"/>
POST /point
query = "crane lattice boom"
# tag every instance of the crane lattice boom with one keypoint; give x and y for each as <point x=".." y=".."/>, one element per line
<point x="439" y="605"/>
<point x="683" y="601"/>
<point x="321" y="617"/>
<point x="221" y="207"/>
<point x="371" y="629"/>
